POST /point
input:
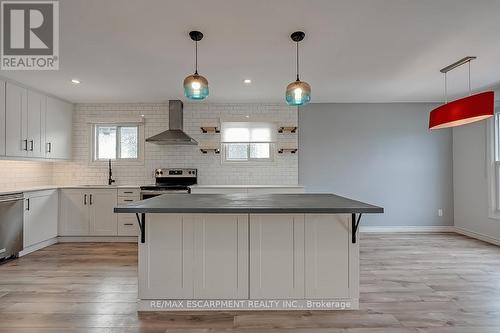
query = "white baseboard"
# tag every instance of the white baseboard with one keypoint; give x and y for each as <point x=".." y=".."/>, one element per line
<point x="98" y="239"/>
<point x="381" y="229"/>
<point x="38" y="246"/>
<point x="477" y="235"/>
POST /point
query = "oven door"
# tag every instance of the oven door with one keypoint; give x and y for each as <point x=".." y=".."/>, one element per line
<point x="151" y="194"/>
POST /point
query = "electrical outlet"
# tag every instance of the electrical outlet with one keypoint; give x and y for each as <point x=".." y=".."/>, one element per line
<point x="440" y="212"/>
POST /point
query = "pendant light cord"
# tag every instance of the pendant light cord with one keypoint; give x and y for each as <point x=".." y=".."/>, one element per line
<point x="470" y="89"/>
<point x="297" y="61"/>
<point x="196" y="57"/>
<point x="445" y="89"/>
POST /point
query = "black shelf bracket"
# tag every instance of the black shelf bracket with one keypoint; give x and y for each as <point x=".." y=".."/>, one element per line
<point x="142" y="225"/>
<point x="355" y="226"/>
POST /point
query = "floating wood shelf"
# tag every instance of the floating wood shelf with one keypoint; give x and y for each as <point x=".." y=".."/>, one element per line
<point x="289" y="129"/>
<point x="206" y="150"/>
<point x="290" y="150"/>
<point x="209" y="129"/>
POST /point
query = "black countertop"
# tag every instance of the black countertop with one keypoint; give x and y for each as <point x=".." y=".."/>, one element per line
<point x="249" y="204"/>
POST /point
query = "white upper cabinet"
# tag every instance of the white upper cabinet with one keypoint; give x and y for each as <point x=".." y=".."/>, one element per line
<point x="2" y="117"/>
<point x="58" y="122"/>
<point x="16" y="120"/>
<point x="34" y="125"/>
<point x="37" y="104"/>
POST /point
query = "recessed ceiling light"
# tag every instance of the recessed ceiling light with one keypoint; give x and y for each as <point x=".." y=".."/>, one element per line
<point x="247" y="81"/>
<point x="75" y="81"/>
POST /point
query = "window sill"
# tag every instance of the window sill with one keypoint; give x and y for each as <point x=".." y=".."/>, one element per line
<point x="117" y="163"/>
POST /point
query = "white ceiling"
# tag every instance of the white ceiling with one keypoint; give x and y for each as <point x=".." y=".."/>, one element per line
<point x="354" y="50"/>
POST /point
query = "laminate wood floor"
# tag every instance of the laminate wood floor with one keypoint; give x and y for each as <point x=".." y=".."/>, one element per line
<point x="410" y="283"/>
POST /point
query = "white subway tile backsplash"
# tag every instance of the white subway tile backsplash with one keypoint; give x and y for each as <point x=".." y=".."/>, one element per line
<point x="19" y="174"/>
<point x="283" y="171"/>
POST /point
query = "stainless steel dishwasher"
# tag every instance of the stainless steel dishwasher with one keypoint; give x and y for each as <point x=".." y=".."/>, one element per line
<point x="11" y="225"/>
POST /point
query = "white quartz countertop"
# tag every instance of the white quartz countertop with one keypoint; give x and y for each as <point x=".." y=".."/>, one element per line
<point x="246" y="186"/>
<point x="22" y="189"/>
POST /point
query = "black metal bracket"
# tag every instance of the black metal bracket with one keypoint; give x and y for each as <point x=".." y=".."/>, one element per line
<point x="355" y="226"/>
<point x="142" y="225"/>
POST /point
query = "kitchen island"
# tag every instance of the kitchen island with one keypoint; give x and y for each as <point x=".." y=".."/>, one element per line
<point x="248" y="252"/>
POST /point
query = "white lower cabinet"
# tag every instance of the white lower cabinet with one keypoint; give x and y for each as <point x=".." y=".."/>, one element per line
<point x="127" y="223"/>
<point x="103" y="221"/>
<point x="197" y="256"/>
<point x="88" y="212"/>
<point x="326" y="262"/>
<point x="276" y="256"/>
<point x="40" y="216"/>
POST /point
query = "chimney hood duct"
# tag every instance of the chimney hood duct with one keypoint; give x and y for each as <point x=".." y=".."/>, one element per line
<point x="174" y="135"/>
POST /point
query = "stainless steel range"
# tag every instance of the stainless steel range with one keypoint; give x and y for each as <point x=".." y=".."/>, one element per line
<point x="170" y="181"/>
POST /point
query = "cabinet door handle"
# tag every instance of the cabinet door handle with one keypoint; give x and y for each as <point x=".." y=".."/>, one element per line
<point x="28" y="204"/>
<point x="84" y="199"/>
<point x="128" y="224"/>
<point x="128" y="192"/>
<point x="49" y="147"/>
<point x="25" y="142"/>
<point x="32" y="144"/>
<point x="128" y="200"/>
<point x="90" y="199"/>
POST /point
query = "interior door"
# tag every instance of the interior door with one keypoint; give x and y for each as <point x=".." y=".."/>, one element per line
<point x="36" y="124"/>
<point x="16" y="120"/>
<point x="74" y="213"/>
<point x="103" y="221"/>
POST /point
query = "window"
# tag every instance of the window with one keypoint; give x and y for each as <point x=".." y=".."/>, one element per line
<point x="247" y="141"/>
<point x="493" y="158"/>
<point x="116" y="142"/>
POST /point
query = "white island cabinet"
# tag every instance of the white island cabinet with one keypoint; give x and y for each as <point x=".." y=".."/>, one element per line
<point x="248" y="252"/>
<point x="193" y="256"/>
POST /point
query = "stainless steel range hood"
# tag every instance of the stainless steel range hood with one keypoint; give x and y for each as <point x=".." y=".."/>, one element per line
<point x="174" y="135"/>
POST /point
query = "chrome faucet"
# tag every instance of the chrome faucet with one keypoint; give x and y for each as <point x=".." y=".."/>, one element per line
<point x="110" y="174"/>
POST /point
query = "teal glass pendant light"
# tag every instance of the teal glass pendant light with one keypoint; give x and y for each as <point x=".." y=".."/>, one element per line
<point x="298" y="92"/>
<point x="196" y="86"/>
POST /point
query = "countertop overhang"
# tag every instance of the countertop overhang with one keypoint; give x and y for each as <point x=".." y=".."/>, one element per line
<point x="316" y="203"/>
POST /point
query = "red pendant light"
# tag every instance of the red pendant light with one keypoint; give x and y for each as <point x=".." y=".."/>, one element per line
<point x="465" y="110"/>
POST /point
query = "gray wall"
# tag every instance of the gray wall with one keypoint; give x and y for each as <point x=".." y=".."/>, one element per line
<point x="471" y="181"/>
<point x="382" y="154"/>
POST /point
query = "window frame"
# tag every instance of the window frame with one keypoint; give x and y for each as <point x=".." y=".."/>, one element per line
<point x="249" y="159"/>
<point x="117" y="160"/>
<point x="250" y="125"/>
<point x="493" y="161"/>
